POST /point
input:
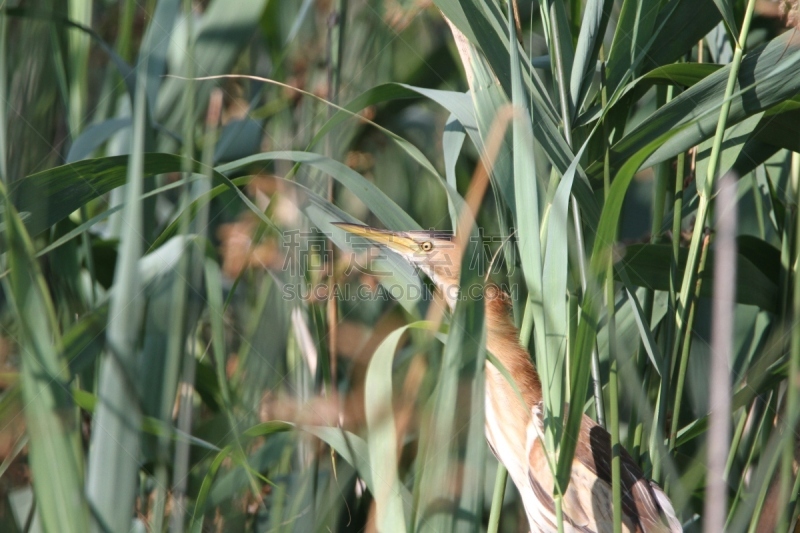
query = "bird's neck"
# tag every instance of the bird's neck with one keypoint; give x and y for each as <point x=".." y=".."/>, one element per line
<point x="502" y="341"/>
<point x="513" y="395"/>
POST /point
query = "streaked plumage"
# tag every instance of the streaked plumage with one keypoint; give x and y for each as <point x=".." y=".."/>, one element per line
<point x="514" y="427"/>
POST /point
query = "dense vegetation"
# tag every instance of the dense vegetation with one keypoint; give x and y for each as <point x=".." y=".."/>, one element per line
<point x="187" y="343"/>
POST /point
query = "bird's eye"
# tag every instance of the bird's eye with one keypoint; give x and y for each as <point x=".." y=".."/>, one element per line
<point x="426" y="246"/>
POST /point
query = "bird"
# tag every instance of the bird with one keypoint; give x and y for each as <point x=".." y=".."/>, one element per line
<point x="514" y="429"/>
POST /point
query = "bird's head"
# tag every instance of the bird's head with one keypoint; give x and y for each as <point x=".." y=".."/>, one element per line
<point x="434" y="252"/>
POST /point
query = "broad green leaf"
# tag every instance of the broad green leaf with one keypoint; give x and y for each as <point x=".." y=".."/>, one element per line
<point x="648" y="265"/>
<point x="726" y="10"/>
<point x="632" y="38"/>
<point x="526" y="187"/>
<point x="125" y="70"/>
<point x="768" y="75"/>
<point x="351" y="447"/>
<point x="89" y="224"/>
<point x="268" y="428"/>
<point x="733" y="143"/>
<point x="85" y="340"/>
<point x="590" y="307"/>
<point x="562" y="53"/>
<point x="382" y="437"/>
<point x="489" y="101"/>
<point x="628" y="317"/>
<point x="489" y="34"/>
<point x="720" y="48"/>
<point x="381" y="205"/>
<point x="590" y="39"/>
<point x="761" y="254"/>
<point x="441" y="437"/>
<point x="452" y="140"/>
<point x="52" y="424"/>
<point x="94" y="136"/>
<point x="760" y="379"/>
<point x="221" y="35"/>
<point x="483" y="24"/>
<point x="684" y="23"/>
<point x="196" y="522"/>
<point x="755" y="152"/>
<point x="780" y="130"/>
<point x="554" y="287"/>
<point x="460" y="105"/>
<point x="159" y="359"/>
<point x="153" y="52"/>
<point x="75" y="184"/>
<point x="686" y="74"/>
<point x="114" y="461"/>
<point x="649" y="343"/>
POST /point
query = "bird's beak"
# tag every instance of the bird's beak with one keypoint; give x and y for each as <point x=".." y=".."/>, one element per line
<point x="394" y="240"/>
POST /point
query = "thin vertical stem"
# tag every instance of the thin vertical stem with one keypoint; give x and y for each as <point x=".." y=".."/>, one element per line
<point x="613" y="396"/>
<point x="677" y="220"/>
<point x="724" y="304"/>
<point x="674" y="342"/>
<point x="760" y="416"/>
<point x="692" y="263"/>
<point x="662" y="174"/>
<point x="659" y="206"/>
<point x="188" y="270"/>
<point x="597" y="389"/>
<point x="785" y="276"/>
<point x="498" y="494"/>
<point x="686" y="346"/>
<point x="112" y="86"/>
<point x="596" y="378"/>
<point x="794" y="502"/>
<point x="80" y="11"/>
<point x="792" y="392"/>
<point x="759" y="203"/>
<point x="737" y="439"/>
<point x="336" y="34"/>
<point x="115" y="441"/>
<point x="684" y="313"/>
<point x="613" y="382"/>
<point x="637" y="435"/>
<point x="567" y="122"/>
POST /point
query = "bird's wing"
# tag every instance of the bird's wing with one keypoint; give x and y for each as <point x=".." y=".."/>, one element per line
<point x="585" y="508"/>
<point x="587" y="504"/>
<point x="643" y="502"/>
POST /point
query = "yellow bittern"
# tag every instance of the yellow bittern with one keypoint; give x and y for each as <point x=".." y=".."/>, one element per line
<point x="515" y="431"/>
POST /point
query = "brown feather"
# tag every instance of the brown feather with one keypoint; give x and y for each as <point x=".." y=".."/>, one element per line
<point x="514" y="413"/>
<point x="587" y="505"/>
